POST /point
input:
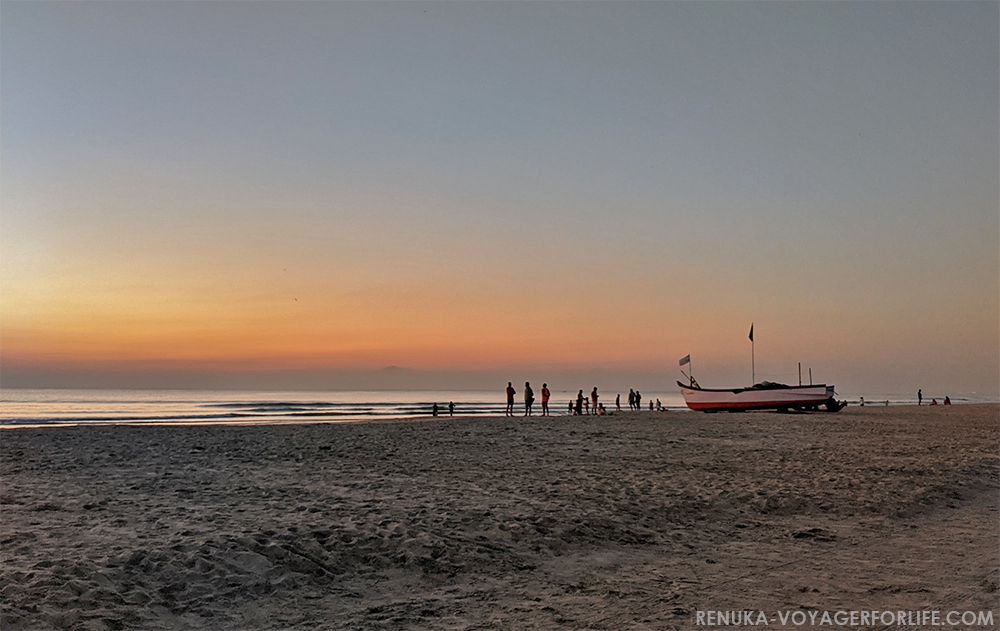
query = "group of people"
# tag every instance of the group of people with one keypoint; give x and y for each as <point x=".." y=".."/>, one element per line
<point x="634" y="400"/>
<point x="451" y="409"/>
<point x="529" y="398"/>
<point x="583" y="405"/>
<point x="920" y="399"/>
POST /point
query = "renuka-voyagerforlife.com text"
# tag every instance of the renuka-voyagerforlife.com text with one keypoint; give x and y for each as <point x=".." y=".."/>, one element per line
<point x="842" y="618"/>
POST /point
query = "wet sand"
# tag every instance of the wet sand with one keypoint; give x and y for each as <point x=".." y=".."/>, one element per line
<point x="631" y="521"/>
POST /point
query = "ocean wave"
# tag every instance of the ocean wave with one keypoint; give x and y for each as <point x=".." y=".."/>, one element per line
<point x="262" y="415"/>
<point x="84" y="407"/>
<point x="275" y="405"/>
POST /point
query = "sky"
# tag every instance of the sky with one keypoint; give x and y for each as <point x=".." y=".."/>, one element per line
<point x="302" y="194"/>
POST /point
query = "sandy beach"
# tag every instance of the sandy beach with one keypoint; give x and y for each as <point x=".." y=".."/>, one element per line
<point x="630" y="521"/>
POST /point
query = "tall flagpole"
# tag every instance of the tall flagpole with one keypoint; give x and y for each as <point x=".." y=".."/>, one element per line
<point x="753" y="368"/>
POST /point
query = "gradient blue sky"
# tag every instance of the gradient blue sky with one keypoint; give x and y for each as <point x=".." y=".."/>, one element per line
<point x="510" y="188"/>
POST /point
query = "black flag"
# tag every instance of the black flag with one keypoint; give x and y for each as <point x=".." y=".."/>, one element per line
<point x="751" y="331"/>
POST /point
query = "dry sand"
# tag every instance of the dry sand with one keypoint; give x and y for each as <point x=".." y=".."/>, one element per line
<point x="633" y="521"/>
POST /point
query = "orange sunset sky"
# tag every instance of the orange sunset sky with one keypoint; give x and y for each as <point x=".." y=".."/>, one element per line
<point x="298" y="195"/>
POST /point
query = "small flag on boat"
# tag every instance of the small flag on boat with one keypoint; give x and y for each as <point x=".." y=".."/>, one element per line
<point x="751" y="331"/>
<point x="685" y="360"/>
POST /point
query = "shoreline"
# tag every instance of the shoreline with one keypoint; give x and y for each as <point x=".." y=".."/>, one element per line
<point x="319" y="419"/>
<point x="634" y="520"/>
<point x="35" y="408"/>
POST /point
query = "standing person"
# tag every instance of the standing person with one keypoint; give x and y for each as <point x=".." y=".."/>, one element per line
<point x="593" y="398"/>
<point x="638" y="401"/>
<point x="631" y="399"/>
<point x="529" y="398"/>
<point x="434" y="410"/>
<point x="618" y="402"/>
<point x="569" y="411"/>
<point x="658" y="405"/>
<point x="545" y="399"/>
<point x="451" y="408"/>
<point x="920" y="396"/>
<point x="510" y="399"/>
<point x="579" y="403"/>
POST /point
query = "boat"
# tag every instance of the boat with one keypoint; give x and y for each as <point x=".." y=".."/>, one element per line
<point x="763" y="396"/>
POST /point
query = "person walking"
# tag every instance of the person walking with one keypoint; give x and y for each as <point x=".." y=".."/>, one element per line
<point x="920" y="397"/>
<point x="631" y="399"/>
<point x="510" y="399"/>
<point x="618" y="402"/>
<point x="529" y="398"/>
<point x="593" y="399"/>
<point x="638" y="401"/>
<point x="545" y="399"/>
<point x="579" y="403"/>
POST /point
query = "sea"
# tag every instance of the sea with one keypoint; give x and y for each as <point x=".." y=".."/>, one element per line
<point x="67" y="408"/>
<point x="54" y="407"/>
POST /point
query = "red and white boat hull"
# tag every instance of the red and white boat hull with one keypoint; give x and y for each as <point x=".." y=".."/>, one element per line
<point x="784" y="397"/>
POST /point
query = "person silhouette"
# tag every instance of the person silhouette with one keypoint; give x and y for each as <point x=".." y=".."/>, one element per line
<point x="510" y="399"/>
<point x="545" y="399"/>
<point x="529" y="398"/>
